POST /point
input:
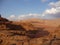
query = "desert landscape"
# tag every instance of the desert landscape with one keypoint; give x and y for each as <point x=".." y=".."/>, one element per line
<point x="29" y="32"/>
<point x="29" y="22"/>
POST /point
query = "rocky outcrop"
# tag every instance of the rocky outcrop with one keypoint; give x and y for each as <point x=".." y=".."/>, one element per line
<point x="6" y="24"/>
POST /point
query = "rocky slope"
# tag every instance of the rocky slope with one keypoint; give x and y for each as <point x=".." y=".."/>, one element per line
<point x="31" y="32"/>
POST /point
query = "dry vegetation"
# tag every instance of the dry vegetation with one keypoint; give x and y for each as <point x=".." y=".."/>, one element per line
<point x="32" y="32"/>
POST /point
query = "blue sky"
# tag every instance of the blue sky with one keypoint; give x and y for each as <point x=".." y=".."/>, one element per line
<point x="23" y="7"/>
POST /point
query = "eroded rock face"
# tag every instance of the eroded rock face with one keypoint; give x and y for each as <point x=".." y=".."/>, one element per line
<point x="6" y="24"/>
<point x="3" y="23"/>
<point x="3" y="20"/>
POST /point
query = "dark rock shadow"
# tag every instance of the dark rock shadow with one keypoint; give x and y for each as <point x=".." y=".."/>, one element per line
<point x="14" y="27"/>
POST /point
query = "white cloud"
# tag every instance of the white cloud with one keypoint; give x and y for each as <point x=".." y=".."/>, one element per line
<point x="43" y="15"/>
<point x="30" y="15"/>
<point x="54" y="10"/>
<point x="20" y="17"/>
<point x="51" y="11"/>
<point x="25" y="16"/>
<point x="12" y="17"/>
<point x="33" y="15"/>
<point x="55" y="4"/>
